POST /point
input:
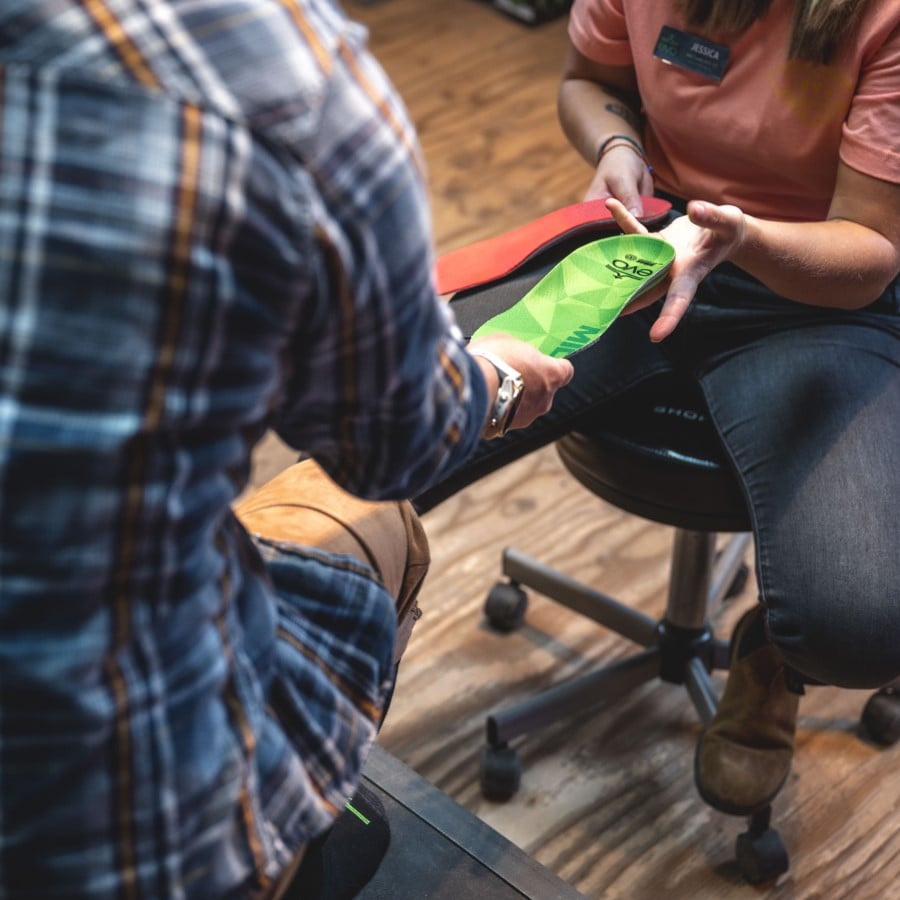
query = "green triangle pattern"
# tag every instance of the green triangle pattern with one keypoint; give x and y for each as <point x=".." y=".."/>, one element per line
<point x="581" y="296"/>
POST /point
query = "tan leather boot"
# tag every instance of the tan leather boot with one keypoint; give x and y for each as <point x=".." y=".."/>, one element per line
<point x="744" y="755"/>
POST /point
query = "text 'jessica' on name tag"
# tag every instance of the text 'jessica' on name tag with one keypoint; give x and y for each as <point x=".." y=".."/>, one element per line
<point x="691" y="52"/>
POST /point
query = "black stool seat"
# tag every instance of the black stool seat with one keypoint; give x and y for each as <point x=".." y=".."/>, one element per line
<point x="654" y="452"/>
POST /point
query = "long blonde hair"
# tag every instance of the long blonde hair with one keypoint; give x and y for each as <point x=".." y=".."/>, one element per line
<point x="818" y="29"/>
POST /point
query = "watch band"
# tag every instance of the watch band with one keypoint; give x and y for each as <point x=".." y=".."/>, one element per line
<point x="507" y="399"/>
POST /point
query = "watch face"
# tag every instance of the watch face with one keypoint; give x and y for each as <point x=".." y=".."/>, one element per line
<point x="509" y="394"/>
<point x="508" y="398"/>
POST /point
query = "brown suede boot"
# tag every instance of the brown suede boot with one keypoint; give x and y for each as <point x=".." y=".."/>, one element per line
<point x="744" y="755"/>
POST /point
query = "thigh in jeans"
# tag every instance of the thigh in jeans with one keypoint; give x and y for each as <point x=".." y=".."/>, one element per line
<point x="811" y="418"/>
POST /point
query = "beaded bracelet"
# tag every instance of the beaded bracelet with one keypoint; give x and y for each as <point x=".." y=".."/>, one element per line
<point x="630" y="142"/>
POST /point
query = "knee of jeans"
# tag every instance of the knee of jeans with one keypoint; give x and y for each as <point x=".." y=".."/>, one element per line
<point x="850" y="648"/>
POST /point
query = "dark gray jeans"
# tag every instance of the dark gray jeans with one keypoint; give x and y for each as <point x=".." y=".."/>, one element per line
<point x="807" y="403"/>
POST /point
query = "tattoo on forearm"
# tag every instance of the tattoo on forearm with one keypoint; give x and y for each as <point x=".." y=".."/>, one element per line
<point x="623" y="112"/>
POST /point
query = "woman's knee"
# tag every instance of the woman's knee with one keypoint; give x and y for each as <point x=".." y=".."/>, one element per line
<point x="845" y="641"/>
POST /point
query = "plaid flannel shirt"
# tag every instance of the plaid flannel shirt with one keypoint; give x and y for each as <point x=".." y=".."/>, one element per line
<point x="212" y="222"/>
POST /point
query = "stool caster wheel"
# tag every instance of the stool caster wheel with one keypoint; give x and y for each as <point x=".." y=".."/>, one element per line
<point x="505" y="606"/>
<point x="760" y="851"/>
<point x="739" y="582"/>
<point x="881" y="716"/>
<point x="501" y="772"/>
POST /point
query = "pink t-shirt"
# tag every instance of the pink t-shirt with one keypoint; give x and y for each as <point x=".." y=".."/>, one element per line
<point x="767" y="137"/>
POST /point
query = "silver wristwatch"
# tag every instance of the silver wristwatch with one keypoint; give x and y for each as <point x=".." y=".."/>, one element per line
<point x="508" y="397"/>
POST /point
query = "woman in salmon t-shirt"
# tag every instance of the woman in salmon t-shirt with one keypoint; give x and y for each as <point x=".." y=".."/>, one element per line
<point x="779" y="120"/>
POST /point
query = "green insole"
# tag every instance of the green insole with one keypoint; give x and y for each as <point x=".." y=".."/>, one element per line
<point x="580" y="297"/>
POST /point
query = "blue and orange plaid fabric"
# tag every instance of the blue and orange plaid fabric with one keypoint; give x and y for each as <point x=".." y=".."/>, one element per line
<point x="212" y="222"/>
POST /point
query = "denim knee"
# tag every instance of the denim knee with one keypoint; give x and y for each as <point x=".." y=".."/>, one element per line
<point x="850" y="642"/>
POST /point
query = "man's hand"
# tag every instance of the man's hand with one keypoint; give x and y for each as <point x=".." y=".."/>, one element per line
<point x="542" y="375"/>
<point x="705" y="237"/>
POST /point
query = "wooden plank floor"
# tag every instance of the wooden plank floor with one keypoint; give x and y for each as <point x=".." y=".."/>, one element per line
<point x="607" y="802"/>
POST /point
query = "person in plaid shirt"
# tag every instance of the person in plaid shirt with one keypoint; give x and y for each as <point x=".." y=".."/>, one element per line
<point x="213" y="222"/>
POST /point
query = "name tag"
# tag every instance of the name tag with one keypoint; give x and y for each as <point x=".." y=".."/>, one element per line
<point x="688" y="51"/>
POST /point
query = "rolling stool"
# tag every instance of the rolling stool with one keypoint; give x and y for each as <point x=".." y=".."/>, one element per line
<point x="653" y="453"/>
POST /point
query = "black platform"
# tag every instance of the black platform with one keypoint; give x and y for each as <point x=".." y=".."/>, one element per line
<point x="441" y="851"/>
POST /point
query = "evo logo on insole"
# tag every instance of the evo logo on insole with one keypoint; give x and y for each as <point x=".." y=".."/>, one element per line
<point x="631" y="267"/>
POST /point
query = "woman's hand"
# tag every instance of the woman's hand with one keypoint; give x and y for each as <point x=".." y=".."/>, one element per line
<point x="623" y="175"/>
<point x="705" y="237"/>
